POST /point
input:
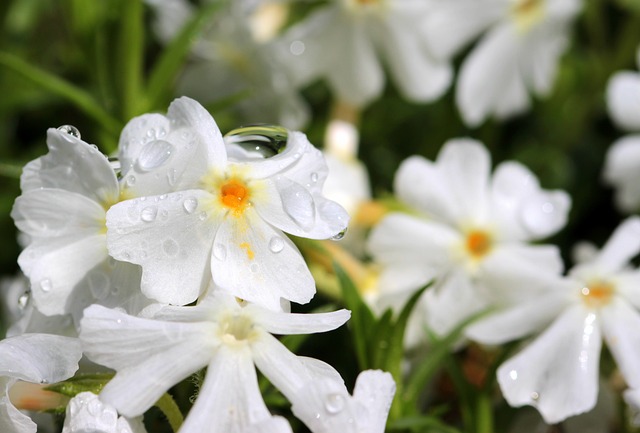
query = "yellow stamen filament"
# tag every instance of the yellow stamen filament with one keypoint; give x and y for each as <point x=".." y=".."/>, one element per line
<point x="234" y="194"/>
<point x="478" y="243"/>
<point x="597" y="293"/>
<point x="245" y="246"/>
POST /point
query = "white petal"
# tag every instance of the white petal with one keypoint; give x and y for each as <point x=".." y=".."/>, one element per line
<point x="170" y="237"/>
<point x="433" y="198"/>
<point x="162" y="154"/>
<point x="293" y="200"/>
<point x="53" y="279"/>
<point x="412" y="251"/>
<point x="39" y="358"/>
<point x="451" y="24"/>
<point x="466" y="166"/>
<point x="275" y="424"/>
<point x="490" y="80"/>
<point x="544" y="213"/>
<point x="621" y="170"/>
<point x="622" y="246"/>
<point x="417" y="74"/>
<point x="86" y="413"/>
<point x="627" y="283"/>
<point x="623" y="100"/>
<point x="558" y="372"/>
<point x="519" y="319"/>
<point x="72" y="165"/>
<point x="291" y="323"/>
<point x="11" y="419"/>
<point x="621" y="329"/>
<point x="375" y="389"/>
<point x="230" y="399"/>
<point x="149" y="356"/>
<point x="56" y="212"/>
<point x="257" y="263"/>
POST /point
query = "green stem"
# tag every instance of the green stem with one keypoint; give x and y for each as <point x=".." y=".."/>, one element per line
<point x="170" y="409"/>
<point x="484" y="414"/>
<point x="10" y="170"/>
<point x="63" y="88"/>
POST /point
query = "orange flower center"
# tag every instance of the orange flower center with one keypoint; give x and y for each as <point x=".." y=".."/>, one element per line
<point x="478" y="243"/>
<point x="597" y="293"/>
<point x="235" y="195"/>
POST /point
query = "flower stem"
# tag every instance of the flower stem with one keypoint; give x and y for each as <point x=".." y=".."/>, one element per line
<point x="170" y="409"/>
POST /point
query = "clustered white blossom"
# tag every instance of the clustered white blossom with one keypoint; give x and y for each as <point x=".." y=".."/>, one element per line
<point x="184" y="217"/>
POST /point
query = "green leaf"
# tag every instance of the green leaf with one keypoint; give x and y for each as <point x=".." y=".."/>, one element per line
<point x="425" y="424"/>
<point x="131" y="55"/>
<point x="362" y="319"/>
<point x="56" y="85"/>
<point x="171" y="60"/>
<point x="81" y="383"/>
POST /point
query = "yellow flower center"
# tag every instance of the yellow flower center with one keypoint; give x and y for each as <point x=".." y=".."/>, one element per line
<point x="478" y="243"/>
<point x="527" y="13"/>
<point x="597" y="293"/>
<point x="234" y="194"/>
<point x="236" y="329"/>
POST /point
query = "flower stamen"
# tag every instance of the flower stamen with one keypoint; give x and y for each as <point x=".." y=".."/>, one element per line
<point x="478" y="243"/>
<point x="597" y="293"/>
<point x="234" y="194"/>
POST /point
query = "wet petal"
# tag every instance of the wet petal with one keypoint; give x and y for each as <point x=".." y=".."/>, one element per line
<point x="230" y="399"/>
<point x="291" y="323"/>
<point x="621" y="329"/>
<point x="258" y="263"/>
<point x="170" y="237"/>
<point x="558" y="372"/>
<point x="149" y="356"/>
<point x="74" y="166"/>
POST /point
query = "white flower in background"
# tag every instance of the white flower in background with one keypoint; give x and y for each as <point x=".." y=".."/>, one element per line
<point x="558" y="371"/>
<point x="518" y="54"/>
<point x="227" y="219"/>
<point x="228" y="336"/>
<point x="65" y="196"/>
<point x="622" y="165"/>
<point x="87" y="414"/>
<point x="344" y="43"/>
<point x="229" y="62"/>
<point x="365" y="411"/>
<point x="36" y="359"/>
<point x="470" y="234"/>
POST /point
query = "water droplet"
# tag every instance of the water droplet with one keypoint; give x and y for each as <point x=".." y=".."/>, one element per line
<point x="164" y="214"/>
<point x="23" y="300"/>
<point x="44" y="381"/>
<point x="94" y="407"/>
<point x="170" y="247"/>
<point x="70" y="129"/>
<point x="99" y="285"/>
<point x="276" y="244"/>
<point x="297" y="48"/>
<point x="314" y="177"/>
<point x="535" y="396"/>
<point x="172" y="177"/>
<point x="154" y="154"/>
<point x="264" y="141"/>
<point x="334" y="403"/>
<point x="119" y="321"/>
<point x="298" y="204"/>
<point x="130" y="181"/>
<point x="190" y="204"/>
<point x="45" y="285"/>
<point x="340" y="235"/>
<point x="202" y="216"/>
<point x="220" y="252"/>
<point x="149" y="214"/>
<point x="254" y="268"/>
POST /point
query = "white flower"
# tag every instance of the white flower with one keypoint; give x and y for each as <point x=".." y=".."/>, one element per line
<point x="220" y="333"/>
<point x="228" y="62"/>
<point x="365" y="411"/>
<point x="558" y="372"/>
<point x="342" y="43"/>
<point x="65" y="195"/>
<point x="518" y="53"/>
<point x="34" y="358"/>
<point x="622" y="164"/>
<point x="227" y="217"/>
<point x="87" y="414"/>
<point x="470" y="234"/>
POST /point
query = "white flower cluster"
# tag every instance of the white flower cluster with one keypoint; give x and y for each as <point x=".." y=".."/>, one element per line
<point x="175" y="260"/>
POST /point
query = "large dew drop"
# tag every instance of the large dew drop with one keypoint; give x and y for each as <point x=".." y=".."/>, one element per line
<point x="70" y="129"/>
<point x="149" y="214"/>
<point x="261" y="141"/>
<point x="45" y="285"/>
<point x="298" y="204"/>
<point x="334" y="403"/>
<point x="190" y="205"/>
<point x="276" y="244"/>
<point x="153" y="155"/>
